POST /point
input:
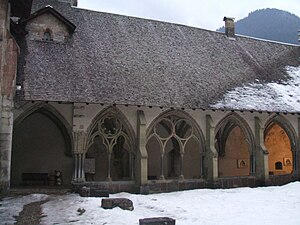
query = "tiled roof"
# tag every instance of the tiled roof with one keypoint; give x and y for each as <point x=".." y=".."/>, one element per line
<point x="125" y="60"/>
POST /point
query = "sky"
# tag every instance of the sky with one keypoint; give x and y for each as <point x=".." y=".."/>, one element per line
<point x="263" y="205"/>
<point x="196" y="13"/>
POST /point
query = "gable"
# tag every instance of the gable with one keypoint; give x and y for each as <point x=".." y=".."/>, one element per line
<point x="38" y="26"/>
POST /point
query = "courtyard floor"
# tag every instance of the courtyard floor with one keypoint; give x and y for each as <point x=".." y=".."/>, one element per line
<point x="264" y="205"/>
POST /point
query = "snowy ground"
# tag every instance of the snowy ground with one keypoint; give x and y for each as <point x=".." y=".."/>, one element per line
<point x="267" y="206"/>
<point x="282" y="96"/>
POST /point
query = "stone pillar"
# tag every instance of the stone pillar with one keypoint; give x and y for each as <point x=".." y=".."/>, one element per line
<point x="79" y="156"/>
<point x="261" y="153"/>
<point x="297" y="155"/>
<point x="79" y="167"/>
<point x="162" y="176"/>
<point x="108" y="178"/>
<point x="211" y="156"/>
<point x="8" y="67"/>
<point x="142" y="156"/>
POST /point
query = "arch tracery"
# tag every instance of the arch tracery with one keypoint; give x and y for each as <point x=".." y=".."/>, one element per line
<point x="177" y="136"/>
<point x="111" y="136"/>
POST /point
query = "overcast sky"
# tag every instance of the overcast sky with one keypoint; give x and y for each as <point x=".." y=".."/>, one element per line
<point x="204" y="14"/>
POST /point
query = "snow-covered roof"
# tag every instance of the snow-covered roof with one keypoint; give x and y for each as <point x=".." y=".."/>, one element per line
<point x="116" y="59"/>
<point x="282" y="96"/>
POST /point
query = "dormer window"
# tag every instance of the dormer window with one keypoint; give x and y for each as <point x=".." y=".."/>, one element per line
<point x="47" y="36"/>
<point x="48" y="25"/>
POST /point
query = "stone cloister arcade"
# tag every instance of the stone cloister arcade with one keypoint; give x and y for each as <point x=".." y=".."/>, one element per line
<point x="129" y="148"/>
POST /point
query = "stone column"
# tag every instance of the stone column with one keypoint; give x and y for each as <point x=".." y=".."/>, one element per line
<point x="261" y="153"/>
<point x="211" y="156"/>
<point x="162" y="176"/>
<point x="142" y="156"/>
<point x="296" y="156"/>
<point x="109" y="165"/>
<point x="6" y="130"/>
<point x="79" y="167"/>
<point x="79" y="156"/>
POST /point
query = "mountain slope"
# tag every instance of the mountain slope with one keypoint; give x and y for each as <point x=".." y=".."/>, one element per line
<point x="270" y="24"/>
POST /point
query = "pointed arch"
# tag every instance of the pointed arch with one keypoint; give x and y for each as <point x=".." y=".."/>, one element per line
<point x="234" y="143"/>
<point x="281" y="141"/>
<point x="115" y="154"/>
<point x="286" y="125"/>
<point x="180" y="139"/>
<point x="55" y="116"/>
<point x="113" y="111"/>
<point x="42" y="144"/>
<point x="230" y="121"/>
<point x="180" y="114"/>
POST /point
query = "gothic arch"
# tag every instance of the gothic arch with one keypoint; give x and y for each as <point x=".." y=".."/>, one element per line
<point x="224" y="128"/>
<point x="286" y="125"/>
<point x="234" y="119"/>
<point x="42" y="143"/>
<point x="180" y="114"/>
<point x="113" y="111"/>
<point x="174" y="143"/>
<point x="290" y="132"/>
<point x="111" y="144"/>
<point x="52" y="113"/>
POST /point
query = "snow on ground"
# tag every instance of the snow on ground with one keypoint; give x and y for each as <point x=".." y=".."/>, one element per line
<point x="282" y="96"/>
<point x="11" y="207"/>
<point x="264" y="205"/>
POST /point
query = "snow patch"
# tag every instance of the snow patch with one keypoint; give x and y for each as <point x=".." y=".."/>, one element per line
<point x="12" y="206"/>
<point x="282" y="97"/>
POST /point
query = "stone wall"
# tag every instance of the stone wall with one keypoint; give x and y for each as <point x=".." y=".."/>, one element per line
<point x="82" y="117"/>
<point x="47" y="23"/>
<point x="8" y="64"/>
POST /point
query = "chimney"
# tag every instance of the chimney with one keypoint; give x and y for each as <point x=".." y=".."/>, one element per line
<point x="299" y="35"/>
<point x="229" y="27"/>
<point x="74" y="2"/>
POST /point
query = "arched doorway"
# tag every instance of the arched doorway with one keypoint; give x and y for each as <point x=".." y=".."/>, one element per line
<point x="175" y="147"/>
<point x="110" y="148"/>
<point x="41" y="145"/>
<point x="234" y="143"/>
<point x="279" y="145"/>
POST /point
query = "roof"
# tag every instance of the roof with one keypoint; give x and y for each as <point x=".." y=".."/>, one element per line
<point x="126" y="60"/>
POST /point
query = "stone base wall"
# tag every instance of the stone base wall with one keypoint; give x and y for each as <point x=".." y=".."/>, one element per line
<point x="163" y="186"/>
<point x="112" y="187"/>
<point x="233" y="182"/>
<point x="173" y="185"/>
<point x="282" y="179"/>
